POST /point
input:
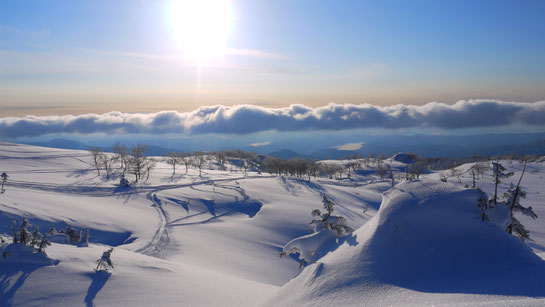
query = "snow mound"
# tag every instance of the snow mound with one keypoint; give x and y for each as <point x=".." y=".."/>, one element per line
<point x="403" y="158"/>
<point x="426" y="245"/>
<point x="20" y="254"/>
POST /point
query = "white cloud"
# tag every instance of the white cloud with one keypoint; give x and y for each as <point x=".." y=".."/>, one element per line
<point x="350" y="146"/>
<point x="260" y="144"/>
<point x="243" y="119"/>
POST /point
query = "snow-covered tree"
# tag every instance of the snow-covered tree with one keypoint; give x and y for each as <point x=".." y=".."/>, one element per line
<point x="24" y="233"/>
<point x="482" y="203"/>
<point x="499" y="172"/>
<point x="324" y="226"/>
<point x="513" y="196"/>
<point x="45" y="241"/>
<point x="33" y="239"/>
<point x="4" y="177"/>
<point x="105" y="261"/>
<point x="74" y="235"/>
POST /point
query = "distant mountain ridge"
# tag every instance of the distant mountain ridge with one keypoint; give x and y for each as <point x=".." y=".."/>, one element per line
<point x="424" y="145"/>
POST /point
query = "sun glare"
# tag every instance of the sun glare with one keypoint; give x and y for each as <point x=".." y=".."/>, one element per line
<point x="201" y="28"/>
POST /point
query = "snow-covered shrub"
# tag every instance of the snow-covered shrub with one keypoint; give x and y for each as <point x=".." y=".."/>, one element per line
<point x="326" y="220"/>
<point x="105" y="261"/>
<point x="84" y="242"/>
<point x="34" y="240"/>
<point x="75" y="236"/>
<point x="123" y="182"/>
<point x="325" y="226"/>
<point x="4" y="177"/>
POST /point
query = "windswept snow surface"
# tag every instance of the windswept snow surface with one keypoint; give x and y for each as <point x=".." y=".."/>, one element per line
<point x="426" y="245"/>
<point x="179" y="240"/>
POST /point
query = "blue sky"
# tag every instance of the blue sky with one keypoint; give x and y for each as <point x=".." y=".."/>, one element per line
<point x="74" y="57"/>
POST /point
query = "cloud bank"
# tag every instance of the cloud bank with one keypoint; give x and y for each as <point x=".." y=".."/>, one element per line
<point x="243" y="119"/>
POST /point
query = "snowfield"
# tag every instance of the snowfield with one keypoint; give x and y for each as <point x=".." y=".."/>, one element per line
<point x="215" y="239"/>
<point x="425" y="245"/>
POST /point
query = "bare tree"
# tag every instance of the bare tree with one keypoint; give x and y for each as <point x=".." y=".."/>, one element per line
<point x="391" y="174"/>
<point x="372" y="158"/>
<point x="199" y="160"/>
<point x="137" y="160"/>
<point x="351" y="166"/>
<point x="417" y="168"/>
<point x="185" y="158"/>
<point x="481" y="168"/>
<point x="148" y="166"/>
<point x="312" y="168"/>
<point x="454" y="172"/>
<point x="96" y="153"/>
<point x="121" y="154"/>
<point x="381" y="170"/>
<point x="173" y="159"/>
<point x="106" y="162"/>
<point x="220" y="159"/>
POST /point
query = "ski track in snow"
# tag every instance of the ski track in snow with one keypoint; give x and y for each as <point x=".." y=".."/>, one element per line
<point x="161" y="243"/>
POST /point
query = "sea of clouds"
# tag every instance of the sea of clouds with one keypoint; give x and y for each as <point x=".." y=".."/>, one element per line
<point x="244" y="119"/>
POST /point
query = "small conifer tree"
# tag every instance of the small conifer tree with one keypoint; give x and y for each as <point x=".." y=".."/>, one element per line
<point x="498" y="172"/>
<point x="105" y="261"/>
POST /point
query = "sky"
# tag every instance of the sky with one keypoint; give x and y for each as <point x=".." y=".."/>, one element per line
<point x="75" y="57"/>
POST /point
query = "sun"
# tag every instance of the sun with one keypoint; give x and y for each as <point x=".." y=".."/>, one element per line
<point x="201" y="28"/>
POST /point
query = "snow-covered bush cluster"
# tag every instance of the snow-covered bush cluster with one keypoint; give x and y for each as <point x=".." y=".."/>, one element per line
<point x="23" y="235"/>
<point x="75" y="236"/>
<point x="30" y="236"/>
<point x="325" y="226"/>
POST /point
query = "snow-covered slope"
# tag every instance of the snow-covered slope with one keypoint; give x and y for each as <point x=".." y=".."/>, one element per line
<point x="184" y="239"/>
<point x="426" y="245"/>
<point x="215" y="239"/>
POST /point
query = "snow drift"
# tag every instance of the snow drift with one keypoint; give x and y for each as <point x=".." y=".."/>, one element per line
<point x="403" y="158"/>
<point x="426" y="245"/>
